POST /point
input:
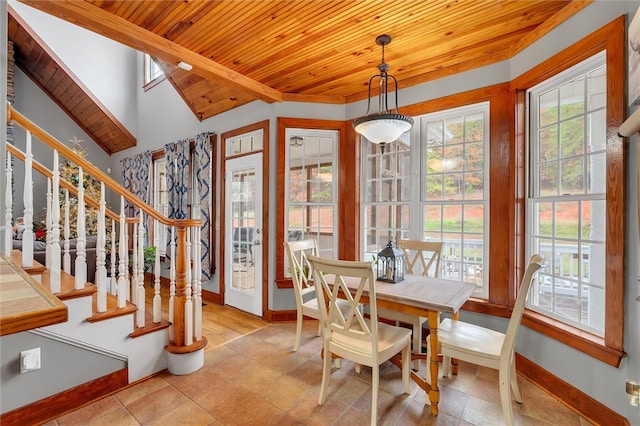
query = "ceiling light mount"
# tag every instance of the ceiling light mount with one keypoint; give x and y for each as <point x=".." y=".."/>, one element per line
<point x="185" y="66"/>
<point x="387" y="124"/>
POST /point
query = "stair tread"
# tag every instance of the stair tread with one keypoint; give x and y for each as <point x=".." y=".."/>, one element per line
<point x="112" y="309"/>
<point x="67" y="286"/>
<point x="149" y="326"/>
<point x="36" y="269"/>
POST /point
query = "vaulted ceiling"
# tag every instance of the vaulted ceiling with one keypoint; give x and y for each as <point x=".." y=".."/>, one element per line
<point x="311" y="50"/>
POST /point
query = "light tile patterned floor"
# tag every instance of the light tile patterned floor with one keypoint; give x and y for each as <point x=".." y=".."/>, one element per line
<point x="256" y="379"/>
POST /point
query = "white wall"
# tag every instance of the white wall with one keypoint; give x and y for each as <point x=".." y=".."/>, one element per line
<point x="105" y="67"/>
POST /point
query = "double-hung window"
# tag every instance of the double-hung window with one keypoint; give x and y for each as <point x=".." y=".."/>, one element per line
<point x="567" y="214"/>
<point x="433" y="185"/>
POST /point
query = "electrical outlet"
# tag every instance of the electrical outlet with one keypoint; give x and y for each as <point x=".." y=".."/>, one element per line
<point x="29" y="360"/>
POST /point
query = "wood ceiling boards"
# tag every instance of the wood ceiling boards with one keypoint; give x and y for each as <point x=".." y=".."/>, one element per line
<point x="312" y="51"/>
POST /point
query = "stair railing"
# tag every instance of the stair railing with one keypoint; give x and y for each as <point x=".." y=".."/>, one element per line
<point x="185" y="296"/>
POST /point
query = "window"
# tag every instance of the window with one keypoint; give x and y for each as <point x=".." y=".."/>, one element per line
<point x="308" y="204"/>
<point x="310" y="185"/>
<point x="564" y="213"/>
<point x="566" y="207"/>
<point x="445" y="176"/>
<point x="160" y="203"/>
<point x="153" y="72"/>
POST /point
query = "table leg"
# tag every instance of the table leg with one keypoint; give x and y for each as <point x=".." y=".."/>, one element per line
<point x="454" y="361"/>
<point x="434" y="393"/>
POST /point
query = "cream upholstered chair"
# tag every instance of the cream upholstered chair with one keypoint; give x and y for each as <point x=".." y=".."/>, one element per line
<point x="489" y="348"/>
<point x="421" y="257"/>
<point x="302" y="278"/>
<point x="350" y="335"/>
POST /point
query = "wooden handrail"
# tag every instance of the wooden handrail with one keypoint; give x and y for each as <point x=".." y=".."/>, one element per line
<point x="63" y="182"/>
<point x="68" y="153"/>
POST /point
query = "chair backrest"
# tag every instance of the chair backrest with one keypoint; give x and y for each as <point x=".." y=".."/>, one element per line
<point x="423" y="253"/>
<point x="330" y="277"/>
<point x="518" y="309"/>
<point x="299" y="267"/>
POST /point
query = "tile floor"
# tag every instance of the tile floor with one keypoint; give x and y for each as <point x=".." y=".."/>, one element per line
<point x="256" y="379"/>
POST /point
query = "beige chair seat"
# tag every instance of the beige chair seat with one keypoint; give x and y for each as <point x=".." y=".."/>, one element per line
<point x="347" y="333"/>
<point x="489" y="348"/>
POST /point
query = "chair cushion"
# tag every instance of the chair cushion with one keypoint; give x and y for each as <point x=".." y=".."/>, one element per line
<point x="388" y="338"/>
<point x="470" y="338"/>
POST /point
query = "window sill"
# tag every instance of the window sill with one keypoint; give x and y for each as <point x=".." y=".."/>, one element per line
<point x="153" y="82"/>
<point x="573" y="337"/>
<point x="580" y="340"/>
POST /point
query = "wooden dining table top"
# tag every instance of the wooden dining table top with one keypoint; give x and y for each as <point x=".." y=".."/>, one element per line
<point x="417" y="293"/>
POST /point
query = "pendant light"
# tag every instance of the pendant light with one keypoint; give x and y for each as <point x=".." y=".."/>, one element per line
<point x="387" y="124"/>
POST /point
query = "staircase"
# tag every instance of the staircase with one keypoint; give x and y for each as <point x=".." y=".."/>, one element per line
<point x="118" y="314"/>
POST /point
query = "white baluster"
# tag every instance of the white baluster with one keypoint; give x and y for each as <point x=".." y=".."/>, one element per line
<point x="81" y="262"/>
<point x="134" y="269"/>
<point x="55" y="227"/>
<point x="8" y="205"/>
<point x="122" y="280"/>
<point x="27" y="234"/>
<point x="197" y="272"/>
<point x="127" y="263"/>
<point x="172" y="280"/>
<point x="66" y="261"/>
<point x="114" y="280"/>
<point x="188" y="304"/>
<point x="47" y="221"/>
<point x="141" y="299"/>
<point x="101" y="270"/>
<point x="157" y="301"/>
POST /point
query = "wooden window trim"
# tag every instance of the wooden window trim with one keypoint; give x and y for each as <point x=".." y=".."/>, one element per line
<point x="611" y="38"/>
<point x="347" y="193"/>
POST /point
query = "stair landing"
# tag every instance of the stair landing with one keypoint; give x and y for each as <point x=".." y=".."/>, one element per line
<point x="24" y="303"/>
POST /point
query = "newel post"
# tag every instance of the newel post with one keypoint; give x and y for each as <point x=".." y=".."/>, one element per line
<point x="183" y="358"/>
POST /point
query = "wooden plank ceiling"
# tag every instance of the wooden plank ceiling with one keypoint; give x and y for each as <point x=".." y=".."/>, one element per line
<point x="312" y="50"/>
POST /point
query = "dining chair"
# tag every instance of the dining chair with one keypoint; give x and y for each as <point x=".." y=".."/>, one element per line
<point x="350" y="335"/>
<point x="303" y="288"/>
<point x="488" y="348"/>
<point x="420" y="257"/>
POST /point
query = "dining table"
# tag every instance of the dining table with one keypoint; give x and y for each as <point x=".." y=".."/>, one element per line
<point x="425" y="297"/>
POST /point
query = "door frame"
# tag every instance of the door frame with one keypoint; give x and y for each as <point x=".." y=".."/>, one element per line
<point x="264" y="126"/>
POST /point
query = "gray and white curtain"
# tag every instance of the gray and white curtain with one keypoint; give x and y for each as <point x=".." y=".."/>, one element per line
<point x="177" y="157"/>
<point x="136" y="178"/>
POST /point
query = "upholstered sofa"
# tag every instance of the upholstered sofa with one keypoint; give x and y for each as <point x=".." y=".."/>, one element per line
<point x="39" y="254"/>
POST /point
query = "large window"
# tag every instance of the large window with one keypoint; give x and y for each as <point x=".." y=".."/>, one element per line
<point x="310" y="185"/>
<point x="436" y="189"/>
<point x="567" y="215"/>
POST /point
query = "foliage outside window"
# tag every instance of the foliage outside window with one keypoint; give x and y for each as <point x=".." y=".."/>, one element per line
<point x="453" y="205"/>
<point x="455" y="191"/>
<point x="311" y="187"/>
<point x="567" y="216"/>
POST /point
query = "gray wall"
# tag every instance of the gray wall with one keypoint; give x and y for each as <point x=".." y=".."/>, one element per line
<point x="163" y="117"/>
<point x="63" y="366"/>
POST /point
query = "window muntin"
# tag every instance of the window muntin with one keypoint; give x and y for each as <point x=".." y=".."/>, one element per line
<point x="245" y="143"/>
<point x="455" y="192"/>
<point x="442" y="196"/>
<point x="311" y="187"/>
<point x="567" y="194"/>
<point x="387" y="194"/>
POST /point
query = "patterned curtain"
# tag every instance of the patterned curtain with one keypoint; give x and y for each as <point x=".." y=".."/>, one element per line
<point x="177" y="175"/>
<point x="136" y="178"/>
<point x="202" y="170"/>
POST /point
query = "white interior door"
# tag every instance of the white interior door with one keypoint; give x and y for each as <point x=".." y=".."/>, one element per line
<point x="243" y="235"/>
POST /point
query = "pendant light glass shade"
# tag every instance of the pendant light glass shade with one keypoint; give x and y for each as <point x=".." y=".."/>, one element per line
<point x="387" y="124"/>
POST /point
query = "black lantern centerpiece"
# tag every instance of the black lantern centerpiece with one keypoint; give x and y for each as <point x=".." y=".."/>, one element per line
<point x="390" y="264"/>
